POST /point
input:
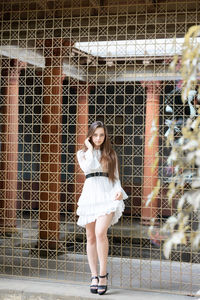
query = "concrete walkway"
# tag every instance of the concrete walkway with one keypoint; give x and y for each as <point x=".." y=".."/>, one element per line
<point x="28" y="289"/>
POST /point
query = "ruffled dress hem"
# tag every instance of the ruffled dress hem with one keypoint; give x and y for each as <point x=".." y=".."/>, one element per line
<point x="84" y="220"/>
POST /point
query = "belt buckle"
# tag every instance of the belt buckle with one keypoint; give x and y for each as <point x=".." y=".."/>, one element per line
<point x="97" y="173"/>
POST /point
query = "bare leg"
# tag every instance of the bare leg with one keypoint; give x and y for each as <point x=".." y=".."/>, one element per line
<point x="92" y="250"/>
<point x="101" y="229"/>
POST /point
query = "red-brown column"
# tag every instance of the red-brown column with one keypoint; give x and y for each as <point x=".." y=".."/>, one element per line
<point x="150" y="175"/>
<point x="81" y="132"/>
<point x="9" y="146"/>
<point x="50" y="174"/>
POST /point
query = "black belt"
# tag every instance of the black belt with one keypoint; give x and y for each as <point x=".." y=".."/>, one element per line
<point x="96" y="174"/>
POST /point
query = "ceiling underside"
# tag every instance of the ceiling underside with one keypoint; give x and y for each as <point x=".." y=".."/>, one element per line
<point x="24" y="23"/>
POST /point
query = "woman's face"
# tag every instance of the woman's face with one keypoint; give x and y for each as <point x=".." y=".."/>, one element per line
<point x="98" y="137"/>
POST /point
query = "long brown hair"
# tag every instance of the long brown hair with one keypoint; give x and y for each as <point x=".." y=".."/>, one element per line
<point x="108" y="155"/>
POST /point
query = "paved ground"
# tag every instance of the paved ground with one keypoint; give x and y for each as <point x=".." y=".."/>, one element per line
<point x="149" y="274"/>
<point x="135" y="274"/>
<point x="25" y="289"/>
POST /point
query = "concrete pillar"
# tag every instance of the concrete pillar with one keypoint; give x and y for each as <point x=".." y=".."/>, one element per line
<point x="81" y="131"/>
<point x="50" y="173"/>
<point x="150" y="176"/>
<point x="9" y="146"/>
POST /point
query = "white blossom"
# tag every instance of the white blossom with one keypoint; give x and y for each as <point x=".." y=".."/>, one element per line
<point x="194" y="124"/>
<point x="168" y="122"/>
<point x="197" y="161"/>
<point x="191" y="145"/>
<point x="190" y="156"/>
<point x="171" y="222"/>
<point x="181" y="202"/>
<point x="193" y="198"/>
<point x="172" y="157"/>
<point x="154" y="128"/>
<point x="196" y="183"/>
<point x="176" y="239"/>
<point x="167" y="132"/>
<point x="169" y="109"/>
<point x="196" y="241"/>
<point x="149" y="198"/>
<point x="171" y="194"/>
<point x="191" y="95"/>
<point x="192" y="109"/>
<point x="176" y="169"/>
<point x="151" y="141"/>
<point x="180" y="141"/>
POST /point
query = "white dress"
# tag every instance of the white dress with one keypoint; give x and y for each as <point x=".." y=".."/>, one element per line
<point x="98" y="194"/>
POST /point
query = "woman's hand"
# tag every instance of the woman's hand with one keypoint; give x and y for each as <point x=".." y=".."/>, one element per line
<point x="118" y="196"/>
<point x="88" y="144"/>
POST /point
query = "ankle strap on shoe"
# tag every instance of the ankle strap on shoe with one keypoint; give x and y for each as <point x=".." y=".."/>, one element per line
<point x="103" y="276"/>
<point x="94" y="277"/>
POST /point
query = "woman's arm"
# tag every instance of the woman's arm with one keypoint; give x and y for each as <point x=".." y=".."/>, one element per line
<point x="119" y="195"/>
<point x="87" y="161"/>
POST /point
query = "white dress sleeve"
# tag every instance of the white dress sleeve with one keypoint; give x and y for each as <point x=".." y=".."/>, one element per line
<point x="88" y="162"/>
<point x="117" y="184"/>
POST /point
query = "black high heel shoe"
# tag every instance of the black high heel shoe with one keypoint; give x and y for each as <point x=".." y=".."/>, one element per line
<point x="102" y="288"/>
<point x="94" y="287"/>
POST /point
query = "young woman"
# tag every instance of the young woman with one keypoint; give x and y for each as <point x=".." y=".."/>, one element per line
<point x="101" y="202"/>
